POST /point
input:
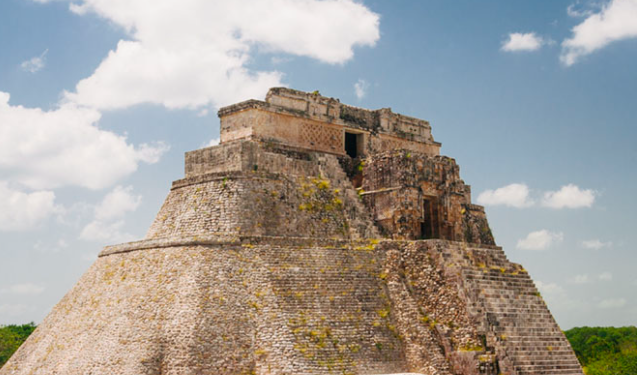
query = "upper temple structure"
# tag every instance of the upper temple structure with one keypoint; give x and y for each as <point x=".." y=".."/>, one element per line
<point x="316" y="238"/>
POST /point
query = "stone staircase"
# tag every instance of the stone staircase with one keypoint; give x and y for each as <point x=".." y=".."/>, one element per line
<point x="518" y="323"/>
<point x="336" y="308"/>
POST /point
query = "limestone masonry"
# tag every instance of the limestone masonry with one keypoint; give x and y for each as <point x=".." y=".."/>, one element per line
<point x="317" y="238"/>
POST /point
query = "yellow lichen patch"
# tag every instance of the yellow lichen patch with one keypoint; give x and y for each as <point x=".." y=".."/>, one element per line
<point x="383" y="313"/>
<point x="471" y="348"/>
<point x="323" y="184"/>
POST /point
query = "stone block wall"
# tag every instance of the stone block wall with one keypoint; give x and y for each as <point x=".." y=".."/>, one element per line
<point x="403" y="188"/>
<point x="313" y="122"/>
<point x="264" y="191"/>
<point x="263" y="305"/>
<point x="239" y="308"/>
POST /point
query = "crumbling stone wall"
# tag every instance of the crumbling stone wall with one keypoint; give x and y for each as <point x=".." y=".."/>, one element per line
<point x="399" y="185"/>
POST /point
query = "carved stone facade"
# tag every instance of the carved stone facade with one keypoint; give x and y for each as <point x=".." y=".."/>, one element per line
<point x="317" y="238"/>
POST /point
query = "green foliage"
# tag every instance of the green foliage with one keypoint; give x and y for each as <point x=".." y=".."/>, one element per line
<point x="11" y="337"/>
<point x="605" y="350"/>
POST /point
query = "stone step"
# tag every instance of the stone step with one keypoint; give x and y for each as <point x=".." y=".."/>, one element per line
<point x="548" y="370"/>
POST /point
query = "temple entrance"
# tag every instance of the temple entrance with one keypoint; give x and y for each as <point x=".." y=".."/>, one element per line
<point x="430" y="226"/>
<point x="353" y="143"/>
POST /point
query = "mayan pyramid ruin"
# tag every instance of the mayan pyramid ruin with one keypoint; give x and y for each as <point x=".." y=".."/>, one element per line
<point x="316" y="238"/>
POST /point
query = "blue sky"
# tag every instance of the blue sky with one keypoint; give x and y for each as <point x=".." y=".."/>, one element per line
<point x="99" y="99"/>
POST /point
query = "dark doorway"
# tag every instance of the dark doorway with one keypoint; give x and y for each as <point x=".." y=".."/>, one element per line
<point x="430" y="226"/>
<point x="351" y="144"/>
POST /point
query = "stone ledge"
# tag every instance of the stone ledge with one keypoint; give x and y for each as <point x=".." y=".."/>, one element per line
<point x="215" y="176"/>
<point x="239" y="240"/>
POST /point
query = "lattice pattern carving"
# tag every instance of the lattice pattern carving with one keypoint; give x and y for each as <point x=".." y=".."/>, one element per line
<point x="321" y="137"/>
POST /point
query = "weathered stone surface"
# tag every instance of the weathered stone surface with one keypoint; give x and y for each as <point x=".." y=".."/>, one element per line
<point x="293" y="248"/>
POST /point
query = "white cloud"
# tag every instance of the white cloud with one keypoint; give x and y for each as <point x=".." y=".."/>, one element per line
<point x="540" y="240"/>
<point x="360" y="88"/>
<point x="577" y="11"/>
<point x="615" y="21"/>
<point x="514" y="195"/>
<point x="21" y="211"/>
<point x="585" y="279"/>
<point x="100" y="231"/>
<point x="191" y="55"/>
<point x="549" y="289"/>
<point x="579" y="279"/>
<point x="596" y="244"/>
<point x="517" y="42"/>
<point x="151" y="153"/>
<point x="62" y="147"/>
<point x="27" y="288"/>
<point x="108" y="219"/>
<point x="195" y="55"/>
<point x="34" y="64"/>
<point x="518" y="195"/>
<point x="569" y="196"/>
<point x="605" y="276"/>
<point x="612" y="303"/>
<point x="117" y="203"/>
<point x="213" y="142"/>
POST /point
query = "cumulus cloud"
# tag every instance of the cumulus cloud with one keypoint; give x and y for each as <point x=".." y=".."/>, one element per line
<point x="360" y="88"/>
<point x="34" y="64"/>
<point x="196" y="55"/>
<point x="579" y="279"/>
<point x="605" y="276"/>
<point x="518" y="42"/>
<point x="514" y="195"/>
<point x="64" y="147"/>
<point x="596" y="244"/>
<point x="576" y="10"/>
<point x="191" y="55"/>
<point x="117" y="203"/>
<point x="550" y="289"/>
<point x="108" y="220"/>
<point x="101" y="231"/>
<point x="540" y="240"/>
<point x="612" y="303"/>
<point x="585" y="279"/>
<point x="569" y="196"/>
<point x="518" y="196"/>
<point x="614" y="22"/>
<point x="213" y="142"/>
<point x="21" y="211"/>
<point x="27" y="288"/>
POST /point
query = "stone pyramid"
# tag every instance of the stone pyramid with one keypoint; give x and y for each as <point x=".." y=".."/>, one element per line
<point x="317" y="238"/>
